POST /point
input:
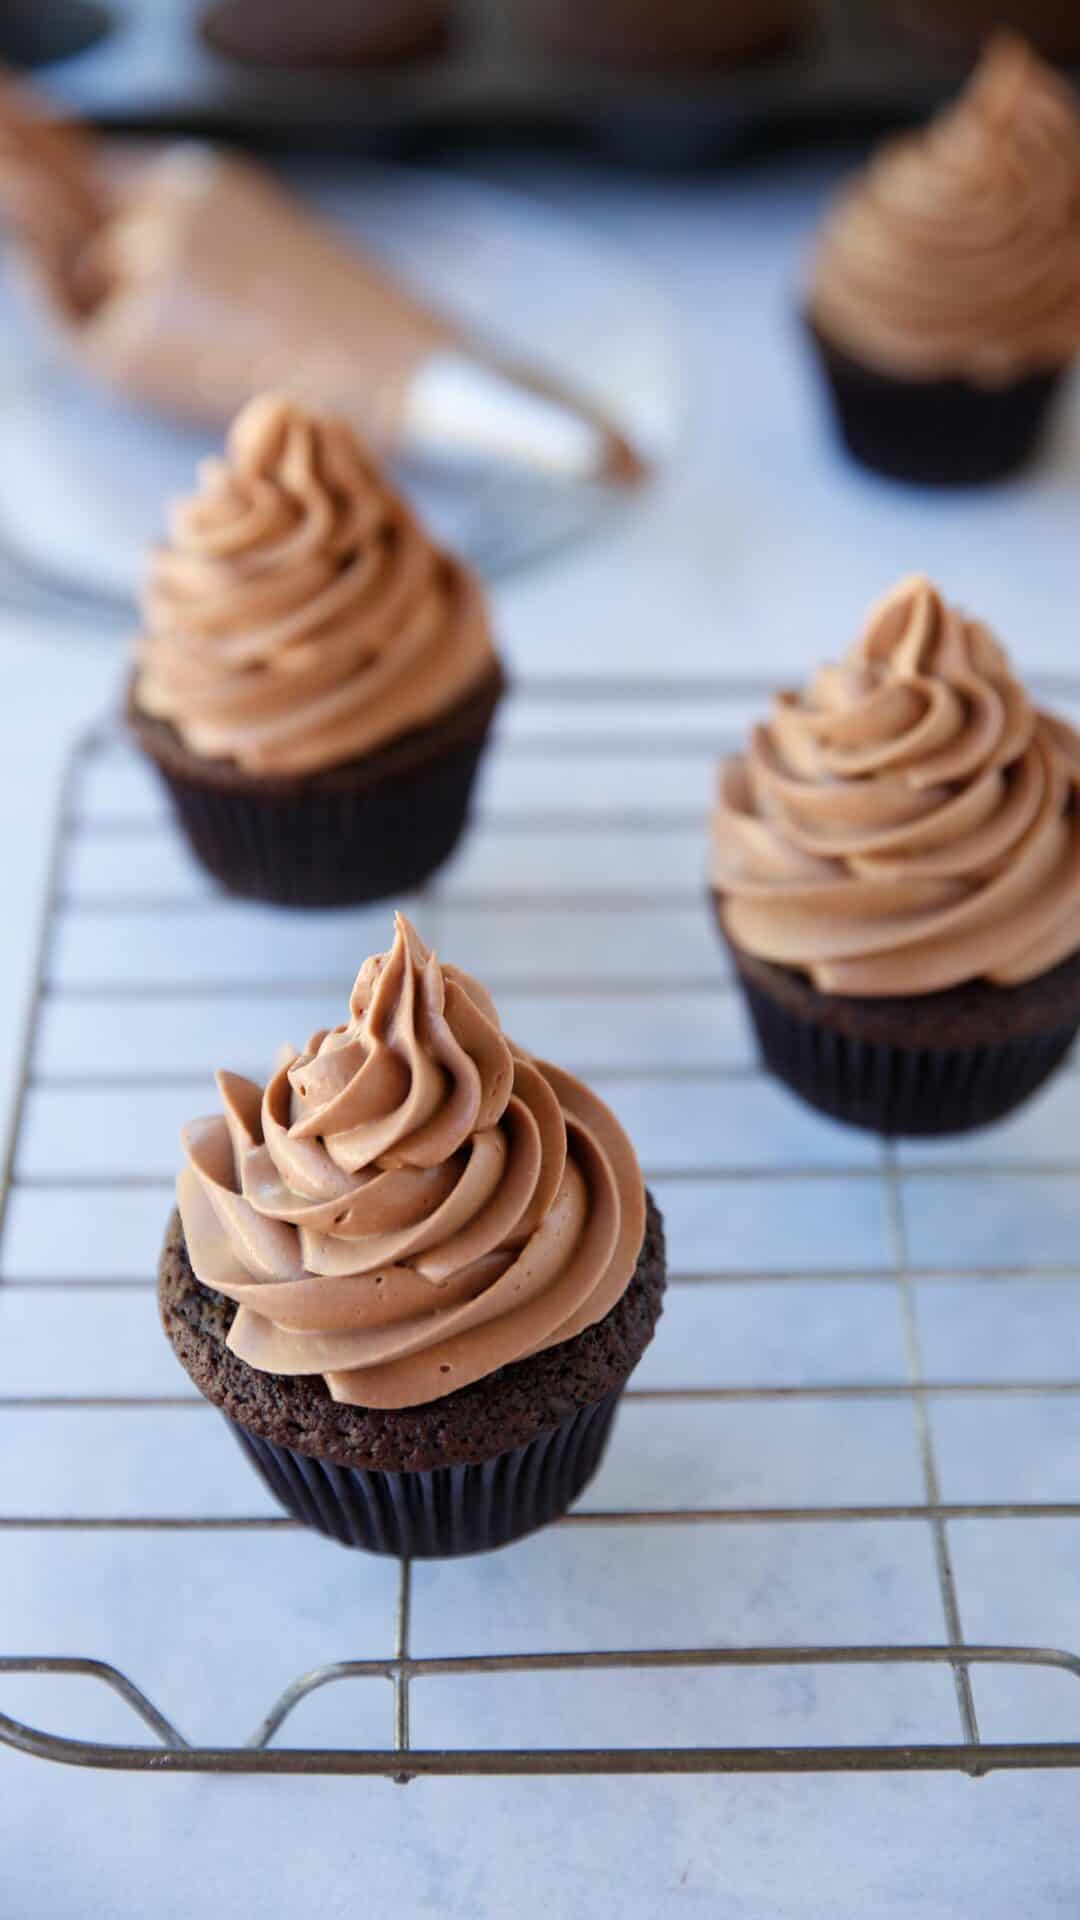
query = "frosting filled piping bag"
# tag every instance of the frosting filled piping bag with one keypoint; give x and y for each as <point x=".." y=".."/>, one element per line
<point x="193" y="281"/>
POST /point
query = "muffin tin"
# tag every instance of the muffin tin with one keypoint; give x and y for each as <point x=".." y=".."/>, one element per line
<point x="30" y="36"/>
<point x="133" y="63"/>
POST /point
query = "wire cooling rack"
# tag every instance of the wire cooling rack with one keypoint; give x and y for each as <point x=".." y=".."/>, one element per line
<point x="848" y="1439"/>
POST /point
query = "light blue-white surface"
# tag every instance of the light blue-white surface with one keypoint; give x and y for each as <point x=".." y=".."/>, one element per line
<point x="756" y="554"/>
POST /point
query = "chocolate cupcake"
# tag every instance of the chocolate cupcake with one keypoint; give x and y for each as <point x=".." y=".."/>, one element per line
<point x="681" y="34"/>
<point x="896" y="870"/>
<point x="326" y="33"/>
<point x="414" y="1270"/>
<point x="945" y="296"/>
<point x="315" y="680"/>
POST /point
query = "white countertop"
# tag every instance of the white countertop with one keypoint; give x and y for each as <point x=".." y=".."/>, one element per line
<point x="758" y="552"/>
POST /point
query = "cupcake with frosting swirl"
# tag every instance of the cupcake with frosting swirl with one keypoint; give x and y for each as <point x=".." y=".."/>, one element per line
<point x="314" y="680"/>
<point x="895" y="860"/>
<point x="945" y="291"/>
<point x="414" y="1268"/>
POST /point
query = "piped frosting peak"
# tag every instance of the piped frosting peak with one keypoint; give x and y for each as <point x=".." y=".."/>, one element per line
<point x="298" y="616"/>
<point x="910" y="821"/>
<point x="411" y="1202"/>
<point x="956" y="253"/>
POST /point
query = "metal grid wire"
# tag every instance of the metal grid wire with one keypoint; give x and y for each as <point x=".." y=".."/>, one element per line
<point x="169" y="1751"/>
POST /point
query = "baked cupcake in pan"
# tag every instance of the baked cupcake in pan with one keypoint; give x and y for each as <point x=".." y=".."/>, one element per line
<point x="896" y="871"/>
<point x="683" y="34"/>
<point x="315" y="680"/>
<point x="327" y="33"/>
<point x="414" y="1270"/>
<point x="944" y="300"/>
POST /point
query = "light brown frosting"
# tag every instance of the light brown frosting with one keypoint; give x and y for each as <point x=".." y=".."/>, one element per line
<point x="909" y="822"/>
<point x="957" y="252"/>
<point x="412" y="1202"/>
<point x="299" y="616"/>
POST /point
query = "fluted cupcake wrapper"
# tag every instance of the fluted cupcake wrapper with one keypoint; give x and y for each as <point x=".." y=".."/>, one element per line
<point x="947" y="433"/>
<point x="901" y="1090"/>
<point x="447" y="1510"/>
<point x="329" y="846"/>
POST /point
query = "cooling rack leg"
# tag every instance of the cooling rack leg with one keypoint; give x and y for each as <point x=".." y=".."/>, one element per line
<point x="401" y="1667"/>
<point x="946" y="1582"/>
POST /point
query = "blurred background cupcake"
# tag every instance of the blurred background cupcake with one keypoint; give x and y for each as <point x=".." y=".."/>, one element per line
<point x="944" y="298"/>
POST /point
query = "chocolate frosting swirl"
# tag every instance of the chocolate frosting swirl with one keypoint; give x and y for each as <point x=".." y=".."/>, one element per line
<point x="957" y="252"/>
<point x="412" y="1201"/>
<point x="909" y="822"/>
<point x="299" y="616"/>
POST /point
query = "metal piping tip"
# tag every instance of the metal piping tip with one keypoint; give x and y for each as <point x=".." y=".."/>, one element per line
<point x="461" y="410"/>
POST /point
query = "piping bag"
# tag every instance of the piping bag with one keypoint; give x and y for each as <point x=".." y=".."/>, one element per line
<point x="191" y="281"/>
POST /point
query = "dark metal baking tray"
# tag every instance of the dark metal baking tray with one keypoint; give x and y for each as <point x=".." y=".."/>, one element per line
<point x="145" y="64"/>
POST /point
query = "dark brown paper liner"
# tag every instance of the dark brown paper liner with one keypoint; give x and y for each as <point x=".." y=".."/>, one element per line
<point x="946" y="433"/>
<point x="447" y="1510"/>
<point x="372" y="830"/>
<point x="917" y="1090"/>
<point x="330" y="849"/>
